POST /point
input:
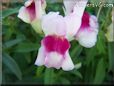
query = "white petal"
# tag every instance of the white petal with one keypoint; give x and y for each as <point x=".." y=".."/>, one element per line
<point x="38" y="9"/>
<point x="73" y="20"/>
<point x="73" y="23"/>
<point x="40" y="6"/>
<point x="40" y="57"/>
<point x="53" y="23"/>
<point x="28" y="3"/>
<point x="80" y="7"/>
<point x="23" y="14"/>
<point x="53" y="59"/>
<point x="69" y="5"/>
<point x="67" y="63"/>
<point x="94" y="23"/>
<point x="87" y="38"/>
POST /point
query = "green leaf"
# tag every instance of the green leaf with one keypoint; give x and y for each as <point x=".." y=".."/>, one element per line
<point x="100" y="72"/>
<point x="12" y="65"/>
<point x="26" y="47"/>
<point x="39" y="71"/>
<point x="97" y="2"/>
<point x="77" y="73"/>
<point x="10" y="11"/>
<point x="76" y="51"/>
<point x="90" y="55"/>
<point x="14" y="42"/>
<point x="64" y="81"/>
<point x="48" y="79"/>
<point x="111" y="55"/>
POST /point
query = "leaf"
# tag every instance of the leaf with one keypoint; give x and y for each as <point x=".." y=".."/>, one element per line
<point x="77" y="73"/>
<point x="10" y="11"/>
<point x="101" y="43"/>
<point x="90" y="55"/>
<point x="76" y="51"/>
<point x="12" y="65"/>
<point x="111" y="55"/>
<point x="100" y="72"/>
<point x="64" y="81"/>
<point x="97" y="2"/>
<point x="26" y="47"/>
<point x="0" y="75"/>
<point x="14" y="42"/>
<point x="48" y="79"/>
<point x="39" y="71"/>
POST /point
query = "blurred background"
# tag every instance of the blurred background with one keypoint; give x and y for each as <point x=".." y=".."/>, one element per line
<point x="20" y="44"/>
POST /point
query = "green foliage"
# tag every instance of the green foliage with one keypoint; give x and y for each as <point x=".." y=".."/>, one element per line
<point x="12" y="65"/>
<point x="21" y="44"/>
<point x="10" y="11"/>
<point x="100" y="72"/>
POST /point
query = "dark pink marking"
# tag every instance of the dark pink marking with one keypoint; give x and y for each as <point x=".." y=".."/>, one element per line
<point x="55" y="43"/>
<point x="42" y="1"/>
<point x="31" y="11"/>
<point x="85" y="20"/>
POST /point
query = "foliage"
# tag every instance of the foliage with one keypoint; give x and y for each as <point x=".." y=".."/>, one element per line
<point x="21" y="44"/>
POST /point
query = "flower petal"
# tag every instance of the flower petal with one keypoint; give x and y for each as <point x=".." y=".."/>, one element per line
<point x="23" y="14"/>
<point x="67" y="63"/>
<point x="69" y="5"/>
<point x="39" y="8"/>
<point x="53" y="59"/>
<point x="94" y="23"/>
<point x="54" y="43"/>
<point x="73" y="20"/>
<point x="31" y="11"/>
<point x="28" y="3"/>
<point x="53" y="23"/>
<point x="40" y="57"/>
<point x="87" y="38"/>
<point x="73" y="24"/>
<point x="87" y="34"/>
<point x="80" y="7"/>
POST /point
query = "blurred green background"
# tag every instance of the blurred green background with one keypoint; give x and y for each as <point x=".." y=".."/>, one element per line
<point x="21" y="44"/>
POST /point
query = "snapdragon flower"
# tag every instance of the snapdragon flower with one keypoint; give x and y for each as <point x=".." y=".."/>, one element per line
<point x="59" y="30"/>
<point x="74" y="10"/>
<point x="32" y="12"/>
<point x="87" y="34"/>
<point x="54" y="51"/>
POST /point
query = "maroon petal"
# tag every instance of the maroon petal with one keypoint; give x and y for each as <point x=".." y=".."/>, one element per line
<point x="54" y="43"/>
<point x="85" y="20"/>
<point x="31" y="11"/>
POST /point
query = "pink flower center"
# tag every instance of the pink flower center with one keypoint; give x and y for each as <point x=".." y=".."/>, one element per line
<point x="57" y="44"/>
<point x="85" y="20"/>
<point x="31" y="11"/>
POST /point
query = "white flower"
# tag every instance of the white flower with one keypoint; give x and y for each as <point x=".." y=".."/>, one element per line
<point x="87" y="34"/>
<point x="32" y="13"/>
<point x="74" y="12"/>
<point x="58" y="30"/>
<point x="54" y="53"/>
